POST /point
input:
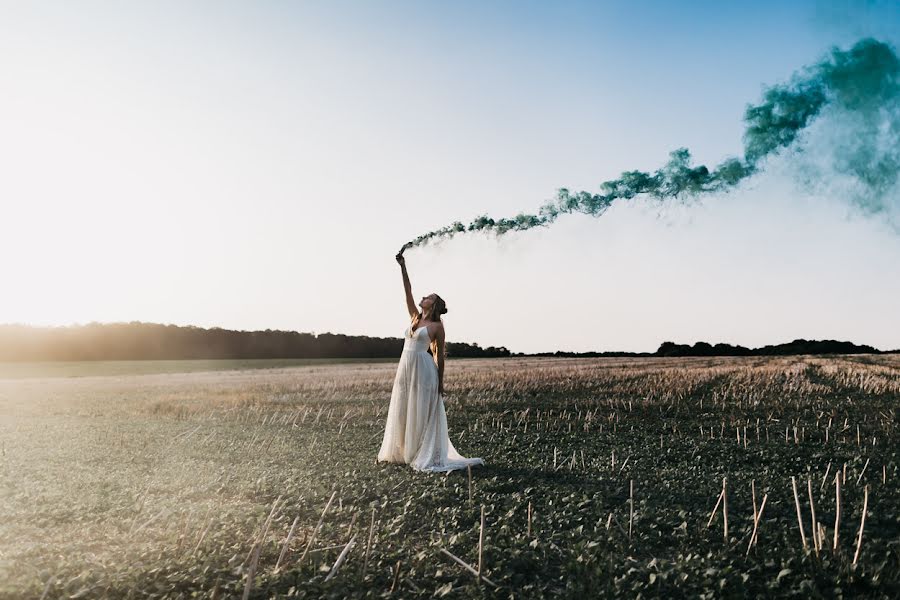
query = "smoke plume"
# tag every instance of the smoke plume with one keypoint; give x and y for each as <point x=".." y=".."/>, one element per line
<point x="860" y="87"/>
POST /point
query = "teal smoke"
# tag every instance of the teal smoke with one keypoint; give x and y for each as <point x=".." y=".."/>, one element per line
<point x="861" y="81"/>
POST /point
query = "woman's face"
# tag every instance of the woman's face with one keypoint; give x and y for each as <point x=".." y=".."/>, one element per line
<point x="426" y="302"/>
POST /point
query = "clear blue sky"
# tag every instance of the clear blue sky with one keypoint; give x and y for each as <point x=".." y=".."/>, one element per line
<point x="256" y="165"/>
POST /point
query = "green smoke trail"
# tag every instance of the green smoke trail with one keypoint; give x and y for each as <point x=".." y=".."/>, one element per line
<point x="863" y="82"/>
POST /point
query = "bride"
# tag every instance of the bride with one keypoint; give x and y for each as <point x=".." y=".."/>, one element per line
<point x="416" y="428"/>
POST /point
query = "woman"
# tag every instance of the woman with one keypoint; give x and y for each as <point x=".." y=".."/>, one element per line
<point x="416" y="429"/>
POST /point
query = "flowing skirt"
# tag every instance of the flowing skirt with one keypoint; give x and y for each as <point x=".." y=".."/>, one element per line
<point x="416" y="429"/>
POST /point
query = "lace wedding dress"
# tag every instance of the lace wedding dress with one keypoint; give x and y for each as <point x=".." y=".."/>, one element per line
<point x="416" y="429"/>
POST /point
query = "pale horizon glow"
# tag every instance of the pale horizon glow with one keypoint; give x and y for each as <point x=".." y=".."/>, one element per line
<point x="257" y="166"/>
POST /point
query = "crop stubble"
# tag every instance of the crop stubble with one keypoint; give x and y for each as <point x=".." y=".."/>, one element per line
<point x="601" y="476"/>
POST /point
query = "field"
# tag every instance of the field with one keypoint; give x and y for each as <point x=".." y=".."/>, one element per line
<point x="84" y="368"/>
<point x="601" y="478"/>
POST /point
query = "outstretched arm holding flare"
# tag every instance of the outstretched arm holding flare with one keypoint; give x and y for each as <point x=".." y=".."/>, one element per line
<point x="407" y="287"/>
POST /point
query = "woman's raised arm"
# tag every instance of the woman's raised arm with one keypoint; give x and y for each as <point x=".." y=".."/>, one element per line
<point x="407" y="288"/>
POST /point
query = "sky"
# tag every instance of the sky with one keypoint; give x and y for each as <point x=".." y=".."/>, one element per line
<point x="256" y="165"/>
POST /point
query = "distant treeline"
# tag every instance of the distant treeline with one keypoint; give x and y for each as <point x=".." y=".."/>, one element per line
<point x="591" y="354"/>
<point x="150" y="341"/>
<point x="795" y="347"/>
<point x="706" y="349"/>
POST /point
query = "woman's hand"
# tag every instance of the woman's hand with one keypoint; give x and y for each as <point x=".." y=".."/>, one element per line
<point x="400" y="259"/>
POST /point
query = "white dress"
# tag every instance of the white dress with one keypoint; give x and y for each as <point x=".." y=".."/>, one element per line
<point x="416" y="428"/>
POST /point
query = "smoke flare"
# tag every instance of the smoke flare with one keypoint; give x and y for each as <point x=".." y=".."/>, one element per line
<point x="861" y="81"/>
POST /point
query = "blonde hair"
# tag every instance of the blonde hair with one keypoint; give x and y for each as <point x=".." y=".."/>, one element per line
<point x="437" y="309"/>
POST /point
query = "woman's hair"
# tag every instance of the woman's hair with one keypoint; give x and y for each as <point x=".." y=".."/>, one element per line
<point x="437" y="309"/>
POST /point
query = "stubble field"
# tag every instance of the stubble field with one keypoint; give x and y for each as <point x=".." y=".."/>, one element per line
<point x="213" y="484"/>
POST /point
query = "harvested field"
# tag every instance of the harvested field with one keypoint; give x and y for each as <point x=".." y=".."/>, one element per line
<point x="601" y="478"/>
